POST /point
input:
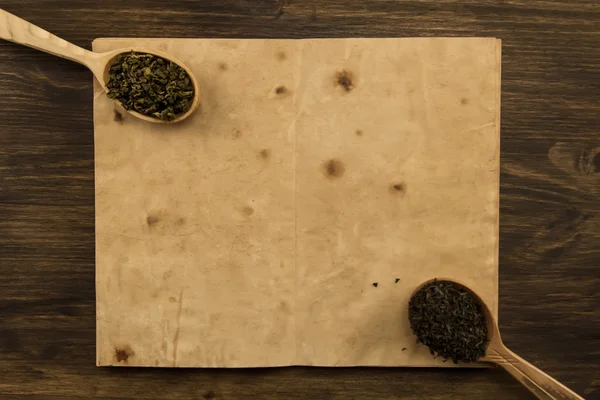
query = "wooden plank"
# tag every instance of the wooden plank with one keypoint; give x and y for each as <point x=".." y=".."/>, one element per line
<point x="549" y="254"/>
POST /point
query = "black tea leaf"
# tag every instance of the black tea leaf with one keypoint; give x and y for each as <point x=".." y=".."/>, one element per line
<point x="449" y="320"/>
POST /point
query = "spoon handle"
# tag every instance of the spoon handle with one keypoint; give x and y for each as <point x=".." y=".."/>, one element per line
<point x="17" y="30"/>
<point x="542" y="385"/>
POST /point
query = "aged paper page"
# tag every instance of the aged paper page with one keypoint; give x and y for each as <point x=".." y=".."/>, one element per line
<point x="195" y="221"/>
<point x="397" y="178"/>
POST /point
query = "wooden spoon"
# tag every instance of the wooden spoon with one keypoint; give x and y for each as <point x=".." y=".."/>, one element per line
<point x="17" y="30"/>
<point x="542" y="385"/>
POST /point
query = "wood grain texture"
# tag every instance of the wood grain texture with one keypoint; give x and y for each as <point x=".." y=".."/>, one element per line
<point x="550" y="189"/>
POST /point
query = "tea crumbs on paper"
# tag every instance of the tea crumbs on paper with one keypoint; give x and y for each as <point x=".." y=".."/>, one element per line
<point x="150" y="85"/>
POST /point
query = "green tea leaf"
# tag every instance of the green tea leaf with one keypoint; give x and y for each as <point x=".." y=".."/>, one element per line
<point x="150" y="85"/>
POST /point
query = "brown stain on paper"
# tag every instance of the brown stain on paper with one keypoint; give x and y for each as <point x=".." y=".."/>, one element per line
<point x="280" y="55"/>
<point x="281" y="90"/>
<point x="152" y="220"/>
<point x="333" y="169"/>
<point x="398" y="188"/>
<point x="223" y="66"/>
<point x="345" y="79"/>
<point x="123" y="353"/>
<point x="265" y="154"/>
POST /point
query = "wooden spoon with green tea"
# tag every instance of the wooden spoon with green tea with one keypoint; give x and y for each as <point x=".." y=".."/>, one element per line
<point x="149" y="84"/>
<point x="456" y="324"/>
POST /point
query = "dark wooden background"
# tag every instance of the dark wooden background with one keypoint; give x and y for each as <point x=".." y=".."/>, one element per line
<point x="550" y="195"/>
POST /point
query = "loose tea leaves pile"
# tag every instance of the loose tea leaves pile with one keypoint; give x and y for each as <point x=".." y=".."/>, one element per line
<point x="449" y="320"/>
<point x="150" y="85"/>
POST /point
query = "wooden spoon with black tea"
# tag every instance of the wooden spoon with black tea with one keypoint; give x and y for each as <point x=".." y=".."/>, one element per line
<point x="17" y="30"/>
<point x="538" y="382"/>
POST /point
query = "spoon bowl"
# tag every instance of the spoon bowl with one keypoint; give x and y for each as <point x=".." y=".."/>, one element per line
<point x="17" y="30"/>
<point x="106" y="60"/>
<point x="539" y="383"/>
